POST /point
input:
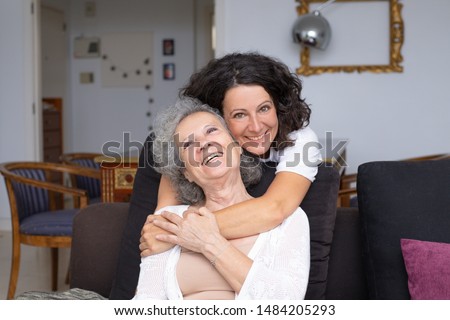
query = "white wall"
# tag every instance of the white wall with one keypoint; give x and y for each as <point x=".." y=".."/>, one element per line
<point x="385" y="116"/>
<point x="16" y="89"/>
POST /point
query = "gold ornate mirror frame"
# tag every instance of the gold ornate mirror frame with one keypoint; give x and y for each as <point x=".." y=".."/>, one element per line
<point x="396" y="42"/>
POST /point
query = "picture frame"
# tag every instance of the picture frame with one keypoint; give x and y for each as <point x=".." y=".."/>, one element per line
<point x="168" y="47"/>
<point x="169" y="71"/>
<point x="86" y="47"/>
<point x="388" y="47"/>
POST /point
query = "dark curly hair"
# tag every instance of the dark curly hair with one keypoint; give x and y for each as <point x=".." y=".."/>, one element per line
<point x="210" y="84"/>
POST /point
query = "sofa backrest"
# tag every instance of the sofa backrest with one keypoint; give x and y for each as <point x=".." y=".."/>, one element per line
<point x="398" y="200"/>
<point x="346" y="279"/>
<point x="319" y="205"/>
<point x="97" y="233"/>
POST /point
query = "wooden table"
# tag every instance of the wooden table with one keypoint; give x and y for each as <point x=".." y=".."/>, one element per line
<point x="117" y="176"/>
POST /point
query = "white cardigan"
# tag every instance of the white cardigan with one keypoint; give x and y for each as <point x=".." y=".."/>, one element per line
<point x="280" y="268"/>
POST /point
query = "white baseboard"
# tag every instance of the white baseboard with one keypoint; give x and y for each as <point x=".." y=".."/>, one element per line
<point x="5" y="224"/>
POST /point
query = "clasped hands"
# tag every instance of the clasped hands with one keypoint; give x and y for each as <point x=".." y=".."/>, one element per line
<point x="194" y="231"/>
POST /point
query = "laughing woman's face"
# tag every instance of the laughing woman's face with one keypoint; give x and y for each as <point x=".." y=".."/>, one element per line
<point x="206" y="148"/>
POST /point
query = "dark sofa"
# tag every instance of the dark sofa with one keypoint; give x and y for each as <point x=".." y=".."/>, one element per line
<point x="355" y="252"/>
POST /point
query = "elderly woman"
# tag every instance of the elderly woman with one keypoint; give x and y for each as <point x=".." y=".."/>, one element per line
<point x="195" y="150"/>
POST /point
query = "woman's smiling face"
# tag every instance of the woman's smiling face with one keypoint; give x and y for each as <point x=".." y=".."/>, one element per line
<point x="251" y="116"/>
<point x="206" y="148"/>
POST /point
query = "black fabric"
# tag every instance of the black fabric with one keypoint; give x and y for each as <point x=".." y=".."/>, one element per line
<point x="142" y="203"/>
<point x="319" y="205"/>
<point x="95" y="246"/>
<point x="400" y="200"/>
<point x="346" y="279"/>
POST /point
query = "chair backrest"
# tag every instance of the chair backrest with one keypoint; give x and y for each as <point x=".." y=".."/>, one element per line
<point x="92" y="186"/>
<point x="29" y="199"/>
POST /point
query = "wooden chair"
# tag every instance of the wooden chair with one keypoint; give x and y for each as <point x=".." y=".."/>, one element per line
<point x="35" y="218"/>
<point x="91" y="185"/>
<point x="438" y="156"/>
<point x="347" y="190"/>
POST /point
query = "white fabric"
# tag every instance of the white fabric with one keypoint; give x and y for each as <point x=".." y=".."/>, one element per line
<point x="280" y="268"/>
<point x="301" y="158"/>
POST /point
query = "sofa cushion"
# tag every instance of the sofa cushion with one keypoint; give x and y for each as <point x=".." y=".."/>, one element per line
<point x="346" y="279"/>
<point x="428" y="267"/>
<point x="319" y="205"/>
<point x="96" y="239"/>
<point x="400" y="200"/>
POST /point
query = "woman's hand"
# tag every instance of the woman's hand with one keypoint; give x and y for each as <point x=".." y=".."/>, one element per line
<point x="149" y="245"/>
<point x="196" y="231"/>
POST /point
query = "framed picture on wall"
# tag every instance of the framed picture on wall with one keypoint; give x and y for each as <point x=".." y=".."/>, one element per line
<point x="169" y="71"/>
<point x="168" y="47"/>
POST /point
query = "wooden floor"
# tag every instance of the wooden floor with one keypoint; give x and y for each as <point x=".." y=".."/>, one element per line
<point x="35" y="267"/>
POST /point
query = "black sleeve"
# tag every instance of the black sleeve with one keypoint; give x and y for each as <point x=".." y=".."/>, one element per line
<point x="143" y="202"/>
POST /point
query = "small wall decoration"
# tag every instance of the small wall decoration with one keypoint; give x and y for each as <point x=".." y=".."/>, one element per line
<point x="86" y="47"/>
<point x="168" y="47"/>
<point x="169" y="71"/>
<point x="127" y="60"/>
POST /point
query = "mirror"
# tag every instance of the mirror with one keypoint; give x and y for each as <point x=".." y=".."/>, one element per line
<point x="367" y="36"/>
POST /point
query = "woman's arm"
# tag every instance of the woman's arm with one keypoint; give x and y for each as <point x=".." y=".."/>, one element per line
<point x="166" y="194"/>
<point x="257" y="215"/>
<point x="250" y="217"/>
<point x="296" y="168"/>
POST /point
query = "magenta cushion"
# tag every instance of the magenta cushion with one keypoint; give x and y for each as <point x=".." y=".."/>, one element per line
<point x="428" y="267"/>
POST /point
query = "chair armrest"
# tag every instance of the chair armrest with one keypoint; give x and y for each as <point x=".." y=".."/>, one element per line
<point x="7" y="170"/>
<point x="97" y="234"/>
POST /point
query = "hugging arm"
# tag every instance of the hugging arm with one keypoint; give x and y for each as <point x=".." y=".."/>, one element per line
<point x="250" y="217"/>
<point x="257" y="215"/>
<point x="296" y="168"/>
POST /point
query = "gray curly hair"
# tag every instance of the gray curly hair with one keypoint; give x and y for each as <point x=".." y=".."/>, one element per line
<point x="166" y="152"/>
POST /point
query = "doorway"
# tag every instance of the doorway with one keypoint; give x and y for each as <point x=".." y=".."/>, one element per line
<point x="54" y="63"/>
